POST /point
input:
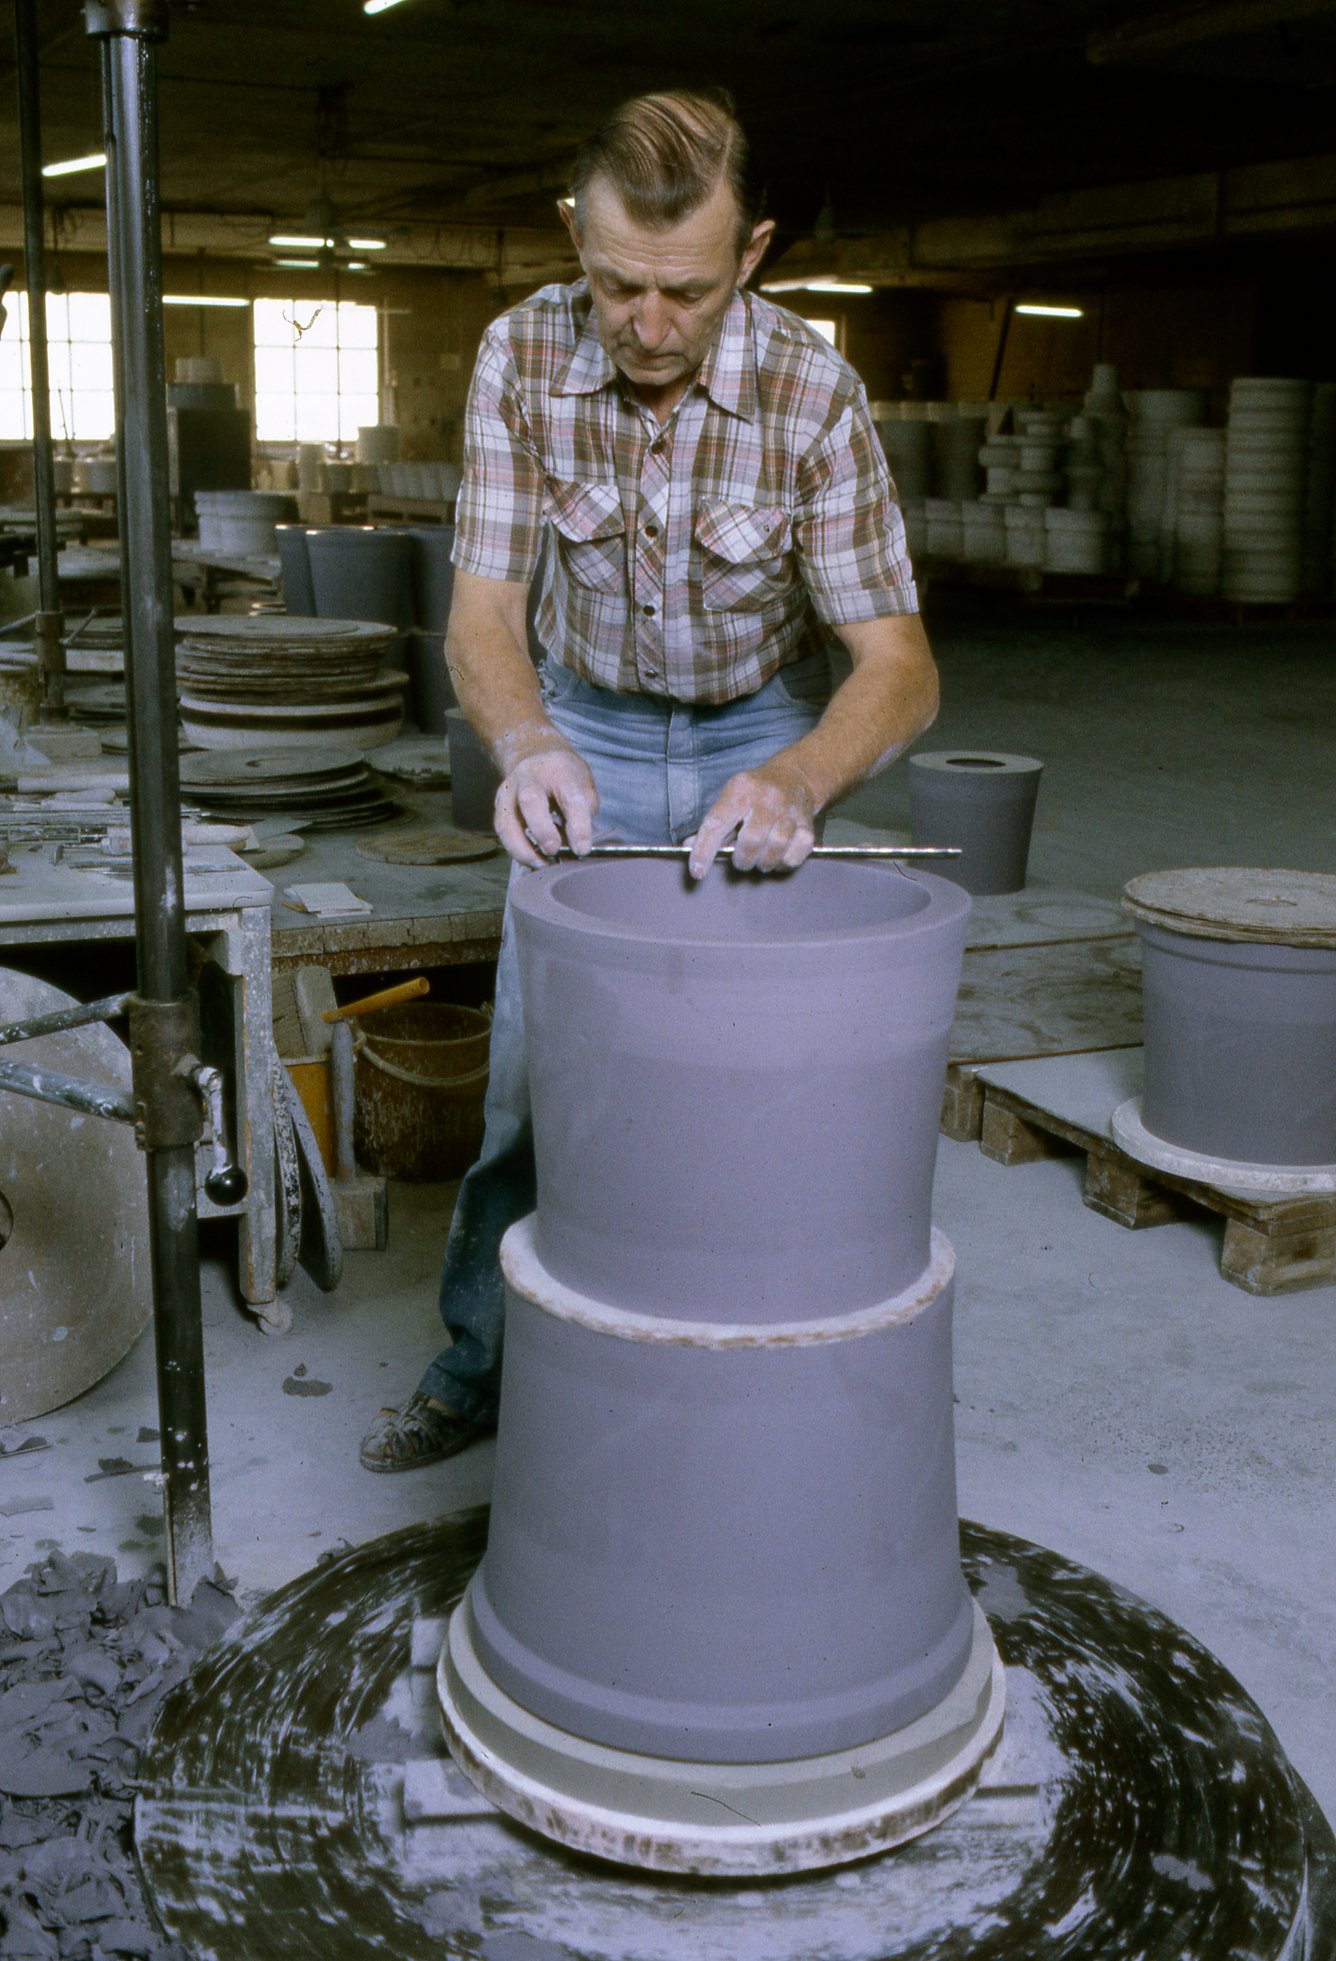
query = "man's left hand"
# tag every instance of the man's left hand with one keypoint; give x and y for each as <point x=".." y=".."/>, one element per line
<point x="771" y="815"/>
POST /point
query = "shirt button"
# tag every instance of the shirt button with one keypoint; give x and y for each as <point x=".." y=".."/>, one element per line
<point x="647" y="609"/>
<point x="656" y="448"/>
<point x="651" y="530"/>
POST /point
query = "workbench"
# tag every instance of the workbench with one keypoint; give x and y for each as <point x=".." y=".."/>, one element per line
<point x="61" y="894"/>
<point x="422" y="915"/>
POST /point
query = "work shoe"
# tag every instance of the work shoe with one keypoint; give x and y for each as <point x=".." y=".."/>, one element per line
<point x="418" y="1434"/>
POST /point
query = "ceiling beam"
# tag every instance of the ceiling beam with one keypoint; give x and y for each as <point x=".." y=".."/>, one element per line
<point x="1110" y="221"/>
<point x="1190" y="27"/>
<point x="510" y="255"/>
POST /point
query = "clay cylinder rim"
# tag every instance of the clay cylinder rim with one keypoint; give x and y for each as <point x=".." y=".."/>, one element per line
<point x="540" y="897"/>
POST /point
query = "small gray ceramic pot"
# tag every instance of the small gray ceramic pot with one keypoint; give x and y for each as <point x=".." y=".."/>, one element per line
<point x="983" y="802"/>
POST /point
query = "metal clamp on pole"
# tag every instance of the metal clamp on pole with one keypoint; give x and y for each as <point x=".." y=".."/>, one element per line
<point x="178" y="1097"/>
<point x="146" y="19"/>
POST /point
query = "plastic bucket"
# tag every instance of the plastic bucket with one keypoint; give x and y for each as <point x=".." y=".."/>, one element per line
<point x="421" y="1080"/>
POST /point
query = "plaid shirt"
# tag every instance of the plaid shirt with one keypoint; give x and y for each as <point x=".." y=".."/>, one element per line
<point x="696" y="559"/>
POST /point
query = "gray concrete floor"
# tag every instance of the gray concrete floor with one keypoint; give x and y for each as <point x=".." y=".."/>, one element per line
<point x="1117" y="1400"/>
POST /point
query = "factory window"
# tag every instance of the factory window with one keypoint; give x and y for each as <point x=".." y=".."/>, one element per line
<point x="78" y="335"/>
<point x="316" y="370"/>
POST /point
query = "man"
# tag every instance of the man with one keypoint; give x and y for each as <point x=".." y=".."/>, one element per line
<point x="718" y="510"/>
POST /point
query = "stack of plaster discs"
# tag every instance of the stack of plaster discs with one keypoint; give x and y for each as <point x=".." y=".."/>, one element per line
<point x="258" y="681"/>
<point x="1197" y="506"/>
<point x="310" y="792"/>
<point x="1266" y="462"/>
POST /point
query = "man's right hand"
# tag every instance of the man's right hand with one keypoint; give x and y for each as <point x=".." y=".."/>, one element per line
<point x="547" y="799"/>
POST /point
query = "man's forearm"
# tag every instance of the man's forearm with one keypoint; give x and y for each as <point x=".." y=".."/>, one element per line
<point x="888" y="701"/>
<point x="486" y="650"/>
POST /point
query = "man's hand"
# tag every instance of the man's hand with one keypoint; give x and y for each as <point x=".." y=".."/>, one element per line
<point x="773" y="812"/>
<point x="547" y="798"/>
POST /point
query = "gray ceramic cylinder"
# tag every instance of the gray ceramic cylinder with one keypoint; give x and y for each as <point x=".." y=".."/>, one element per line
<point x="736" y="1085"/>
<point x="433" y="575"/>
<point x="982" y="801"/>
<point x="474" y="777"/>
<point x="295" y="567"/>
<point x="358" y="573"/>
<point x="1240" y="1047"/>
<point x="725" y="1545"/>
<point x="431" y="692"/>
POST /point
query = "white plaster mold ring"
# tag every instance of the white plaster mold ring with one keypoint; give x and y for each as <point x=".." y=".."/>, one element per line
<point x="1230" y="1175"/>
<point x="756" y="1820"/>
<point x="527" y="1275"/>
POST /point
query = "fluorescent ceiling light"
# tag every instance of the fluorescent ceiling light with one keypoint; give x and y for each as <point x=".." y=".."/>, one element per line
<point x="354" y="265"/>
<point x="303" y="265"/>
<point x="367" y="244"/>
<point x="818" y="285"/>
<point x="378" y="6"/>
<point x="1054" y="312"/>
<point x="201" y="299"/>
<point x="300" y="239"/>
<point x="72" y="164"/>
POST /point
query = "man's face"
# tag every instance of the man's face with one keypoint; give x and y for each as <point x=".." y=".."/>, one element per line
<point x="659" y="295"/>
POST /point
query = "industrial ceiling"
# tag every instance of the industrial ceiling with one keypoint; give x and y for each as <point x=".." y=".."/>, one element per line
<point x="447" y="125"/>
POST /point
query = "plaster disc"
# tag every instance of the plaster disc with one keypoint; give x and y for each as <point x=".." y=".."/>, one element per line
<point x="447" y="847"/>
<point x="269" y="768"/>
<point x="1241" y="903"/>
<point x="74" y="1266"/>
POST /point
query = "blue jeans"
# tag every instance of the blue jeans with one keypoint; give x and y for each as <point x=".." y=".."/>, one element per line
<point x="659" y="766"/>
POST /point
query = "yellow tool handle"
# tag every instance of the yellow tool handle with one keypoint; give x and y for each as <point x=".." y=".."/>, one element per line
<point x="389" y="997"/>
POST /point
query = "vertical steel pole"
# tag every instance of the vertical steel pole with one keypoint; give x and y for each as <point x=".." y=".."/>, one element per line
<point x="50" y="624"/>
<point x="129" y="31"/>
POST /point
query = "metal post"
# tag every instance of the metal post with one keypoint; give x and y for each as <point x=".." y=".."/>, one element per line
<point x="161" y="1028"/>
<point x="49" y="624"/>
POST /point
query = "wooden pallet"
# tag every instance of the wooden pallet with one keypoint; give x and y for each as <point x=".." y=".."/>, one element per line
<point x="1021" y="999"/>
<point x="1271" y="1246"/>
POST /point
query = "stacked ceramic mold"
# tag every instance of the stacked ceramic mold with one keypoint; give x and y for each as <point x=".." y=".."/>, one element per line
<point x="1193" y="518"/>
<point x="1156" y="414"/>
<point x="1320" y="493"/>
<point x="270" y="681"/>
<point x="1266" y="470"/>
<point x="932" y="449"/>
<point x="720" y="1626"/>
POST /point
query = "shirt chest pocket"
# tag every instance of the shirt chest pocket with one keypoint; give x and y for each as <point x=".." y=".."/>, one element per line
<point x="592" y="533"/>
<point x="746" y="554"/>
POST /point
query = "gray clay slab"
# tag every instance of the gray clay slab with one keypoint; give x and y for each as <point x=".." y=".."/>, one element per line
<point x="1084" y="1090"/>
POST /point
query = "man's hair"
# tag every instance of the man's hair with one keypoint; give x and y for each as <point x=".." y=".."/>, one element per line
<point x="663" y="154"/>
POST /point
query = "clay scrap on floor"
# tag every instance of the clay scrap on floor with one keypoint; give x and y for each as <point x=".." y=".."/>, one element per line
<point x="85" y="1661"/>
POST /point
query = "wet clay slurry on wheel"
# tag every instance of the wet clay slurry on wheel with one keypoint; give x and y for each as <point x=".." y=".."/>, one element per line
<point x="1140" y="1805"/>
<point x="982" y="802"/>
<point x="736" y="1086"/>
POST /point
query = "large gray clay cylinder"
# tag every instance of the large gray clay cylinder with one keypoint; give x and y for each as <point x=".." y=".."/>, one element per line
<point x="982" y="802"/>
<point x="1240" y="1047"/>
<point x="723" y="1553"/>
<point x="359" y="573"/>
<point x="433" y="575"/>
<point x="474" y="777"/>
<point x="295" y="569"/>
<point x="431" y="693"/>
<point x="736" y="1085"/>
